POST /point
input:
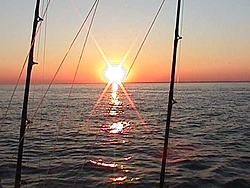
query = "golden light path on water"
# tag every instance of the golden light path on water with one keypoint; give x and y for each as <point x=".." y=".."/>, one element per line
<point x="117" y="127"/>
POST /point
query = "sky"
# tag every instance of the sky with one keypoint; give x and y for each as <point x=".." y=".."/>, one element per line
<point x="215" y="44"/>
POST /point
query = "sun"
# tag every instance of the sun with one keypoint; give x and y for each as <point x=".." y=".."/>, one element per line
<point x="115" y="73"/>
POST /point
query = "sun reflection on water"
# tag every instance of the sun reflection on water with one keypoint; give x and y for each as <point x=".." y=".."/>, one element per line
<point x="116" y="134"/>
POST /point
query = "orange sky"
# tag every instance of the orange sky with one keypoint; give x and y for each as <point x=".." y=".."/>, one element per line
<point x="214" y="48"/>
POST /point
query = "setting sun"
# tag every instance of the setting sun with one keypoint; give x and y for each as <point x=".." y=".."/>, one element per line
<point x="115" y="73"/>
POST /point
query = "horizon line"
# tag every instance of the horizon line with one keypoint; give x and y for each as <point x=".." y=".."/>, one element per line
<point x="146" y="82"/>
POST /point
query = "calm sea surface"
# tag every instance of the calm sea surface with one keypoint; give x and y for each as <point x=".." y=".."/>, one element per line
<point x="75" y="142"/>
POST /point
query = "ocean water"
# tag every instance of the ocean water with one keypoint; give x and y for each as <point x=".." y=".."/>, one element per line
<point x="75" y="141"/>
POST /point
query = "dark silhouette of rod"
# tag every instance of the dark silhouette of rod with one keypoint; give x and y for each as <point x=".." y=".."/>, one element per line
<point x="24" y="120"/>
<point x="171" y="94"/>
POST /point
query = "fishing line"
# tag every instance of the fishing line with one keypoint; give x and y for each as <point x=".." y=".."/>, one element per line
<point x="22" y="69"/>
<point x="180" y="44"/>
<point x="43" y="67"/>
<point x="95" y="139"/>
<point x="34" y="80"/>
<point x="39" y="39"/>
<point x="71" y="89"/>
<point x="146" y="36"/>
<point x="44" y="48"/>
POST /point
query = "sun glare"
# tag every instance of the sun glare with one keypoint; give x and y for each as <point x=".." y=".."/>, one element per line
<point x="115" y="73"/>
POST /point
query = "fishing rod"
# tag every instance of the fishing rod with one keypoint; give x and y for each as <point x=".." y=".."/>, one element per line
<point x="24" y="119"/>
<point x="171" y="95"/>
